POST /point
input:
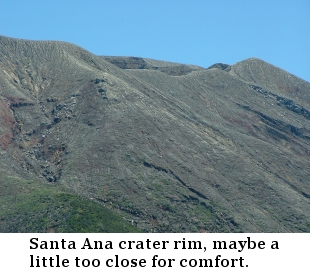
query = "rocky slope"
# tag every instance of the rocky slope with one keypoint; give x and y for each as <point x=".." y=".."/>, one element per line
<point x="167" y="147"/>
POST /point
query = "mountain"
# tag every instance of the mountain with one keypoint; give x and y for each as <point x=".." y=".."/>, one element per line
<point x="117" y="144"/>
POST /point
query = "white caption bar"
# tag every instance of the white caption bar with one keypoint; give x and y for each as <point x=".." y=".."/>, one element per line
<point x="140" y="253"/>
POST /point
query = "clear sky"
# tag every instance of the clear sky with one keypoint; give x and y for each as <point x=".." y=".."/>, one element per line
<point x="199" y="32"/>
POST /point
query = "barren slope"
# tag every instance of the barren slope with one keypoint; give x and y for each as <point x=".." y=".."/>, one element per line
<point x="168" y="147"/>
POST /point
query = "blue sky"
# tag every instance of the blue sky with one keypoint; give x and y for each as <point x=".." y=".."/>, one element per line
<point x="199" y="32"/>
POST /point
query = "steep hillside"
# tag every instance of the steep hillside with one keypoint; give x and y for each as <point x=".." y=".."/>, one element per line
<point x="168" y="147"/>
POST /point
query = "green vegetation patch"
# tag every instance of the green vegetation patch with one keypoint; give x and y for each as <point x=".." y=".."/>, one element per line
<point x="29" y="206"/>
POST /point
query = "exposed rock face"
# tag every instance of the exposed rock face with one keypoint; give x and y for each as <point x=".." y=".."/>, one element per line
<point x="220" y="66"/>
<point x="141" y="63"/>
<point x="170" y="147"/>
